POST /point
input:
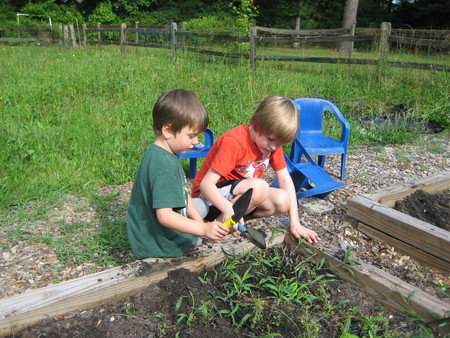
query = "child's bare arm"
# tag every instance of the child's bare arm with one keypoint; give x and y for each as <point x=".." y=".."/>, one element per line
<point x="215" y="231"/>
<point x="298" y="230"/>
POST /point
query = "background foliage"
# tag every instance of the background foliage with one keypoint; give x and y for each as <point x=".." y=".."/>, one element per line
<point x="278" y="14"/>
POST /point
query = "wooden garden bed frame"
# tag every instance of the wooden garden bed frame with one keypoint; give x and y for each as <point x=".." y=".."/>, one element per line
<point x="18" y="312"/>
<point x="373" y="215"/>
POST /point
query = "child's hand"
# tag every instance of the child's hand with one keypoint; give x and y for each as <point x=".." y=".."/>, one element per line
<point x="234" y="228"/>
<point x="216" y="231"/>
<point x="301" y="231"/>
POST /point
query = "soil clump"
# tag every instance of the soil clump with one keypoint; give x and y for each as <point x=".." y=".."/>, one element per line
<point x="430" y="208"/>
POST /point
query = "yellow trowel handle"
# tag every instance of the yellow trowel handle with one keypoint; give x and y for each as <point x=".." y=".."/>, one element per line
<point x="229" y="223"/>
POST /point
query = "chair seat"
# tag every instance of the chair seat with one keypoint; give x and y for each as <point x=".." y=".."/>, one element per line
<point x="310" y="179"/>
<point x="323" y="182"/>
<point x="322" y="145"/>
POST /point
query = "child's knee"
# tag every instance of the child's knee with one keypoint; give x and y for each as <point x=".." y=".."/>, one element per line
<point x="260" y="191"/>
<point x="281" y="201"/>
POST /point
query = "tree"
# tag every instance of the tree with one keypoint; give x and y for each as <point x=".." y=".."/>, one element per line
<point x="350" y="13"/>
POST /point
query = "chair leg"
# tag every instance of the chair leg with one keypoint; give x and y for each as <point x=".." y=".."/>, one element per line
<point x="343" y="164"/>
<point x="193" y="167"/>
<point x="321" y="161"/>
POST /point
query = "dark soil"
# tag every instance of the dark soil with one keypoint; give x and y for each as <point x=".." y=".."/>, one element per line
<point x="430" y="208"/>
<point x="152" y="312"/>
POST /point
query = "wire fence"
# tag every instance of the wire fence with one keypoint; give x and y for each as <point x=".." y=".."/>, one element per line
<point x="370" y="46"/>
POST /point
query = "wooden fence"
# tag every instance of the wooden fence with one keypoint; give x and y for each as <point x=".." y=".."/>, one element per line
<point x="169" y="36"/>
<point x="384" y="37"/>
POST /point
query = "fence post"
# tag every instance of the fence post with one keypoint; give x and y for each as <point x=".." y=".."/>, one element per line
<point x="66" y="37"/>
<point x="99" y="34"/>
<point x="83" y="27"/>
<point x="123" y="38"/>
<point x="173" y="39"/>
<point x="136" y="25"/>
<point x="384" y="45"/>
<point x="350" y="51"/>
<point x="252" y="47"/>
<point x="60" y="35"/>
<point x="74" y="39"/>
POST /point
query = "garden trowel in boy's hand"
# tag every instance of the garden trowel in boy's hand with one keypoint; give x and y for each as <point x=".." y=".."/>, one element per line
<point x="240" y="208"/>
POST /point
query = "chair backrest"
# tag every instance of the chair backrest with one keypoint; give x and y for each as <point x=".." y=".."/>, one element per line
<point x="311" y="116"/>
<point x="209" y="138"/>
<point x="311" y="111"/>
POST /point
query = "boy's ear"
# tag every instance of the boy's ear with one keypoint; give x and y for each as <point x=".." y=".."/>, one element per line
<point x="167" y="131"/>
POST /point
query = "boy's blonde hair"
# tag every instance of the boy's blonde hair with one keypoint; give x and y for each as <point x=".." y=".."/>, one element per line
<point x="277" y="116"/>
<point x="179" y="108"/>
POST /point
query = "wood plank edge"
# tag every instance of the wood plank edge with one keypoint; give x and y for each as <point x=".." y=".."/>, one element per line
<point x="386" y="219"/>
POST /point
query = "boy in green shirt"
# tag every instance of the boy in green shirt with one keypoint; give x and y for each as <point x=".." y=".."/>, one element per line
<point x="162" y="218"/>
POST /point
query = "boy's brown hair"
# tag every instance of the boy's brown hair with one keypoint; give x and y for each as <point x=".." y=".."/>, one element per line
<point x="179" y="108"/>
<point x="277" y="116"/>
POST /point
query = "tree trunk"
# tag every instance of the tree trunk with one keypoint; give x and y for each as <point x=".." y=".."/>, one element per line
<point x="351" y="11"/>
<point x="297" y="27"/>
<point x="297" y="23"/>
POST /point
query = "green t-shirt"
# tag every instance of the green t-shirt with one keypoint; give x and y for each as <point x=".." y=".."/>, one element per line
<point x="160" y="183"/>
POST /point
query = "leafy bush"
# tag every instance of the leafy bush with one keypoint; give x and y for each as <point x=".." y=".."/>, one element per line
<point x="212" y="24"/>
<point x="40" y="12"/>
<point x="103" y="13"/>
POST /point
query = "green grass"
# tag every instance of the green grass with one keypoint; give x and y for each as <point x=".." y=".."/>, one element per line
<point x="74" y="122"/>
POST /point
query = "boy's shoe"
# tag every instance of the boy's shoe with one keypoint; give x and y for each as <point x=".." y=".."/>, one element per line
<point x="197" y="241"/>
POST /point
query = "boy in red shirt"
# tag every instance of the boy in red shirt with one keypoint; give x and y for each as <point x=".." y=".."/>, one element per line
<point x="237" y="162"/>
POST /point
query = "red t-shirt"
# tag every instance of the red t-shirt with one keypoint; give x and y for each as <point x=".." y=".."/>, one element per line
<point x="235" y="156"/>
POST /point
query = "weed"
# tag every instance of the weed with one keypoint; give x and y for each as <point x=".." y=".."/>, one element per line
<point x="361" y="176"/>
<point x="403" y="155"/>
<point x="376" y="149"/>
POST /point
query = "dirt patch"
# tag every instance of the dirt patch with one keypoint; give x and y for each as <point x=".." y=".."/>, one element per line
<point x="430" y="208"/>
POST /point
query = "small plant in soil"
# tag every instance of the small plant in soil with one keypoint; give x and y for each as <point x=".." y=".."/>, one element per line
<point x="273" y="292"/>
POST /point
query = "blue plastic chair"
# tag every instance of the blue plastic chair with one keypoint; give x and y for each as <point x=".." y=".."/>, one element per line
<point x="309" y="178"/>
<point x="199" y="151"/>
<point x="311" y="136"/>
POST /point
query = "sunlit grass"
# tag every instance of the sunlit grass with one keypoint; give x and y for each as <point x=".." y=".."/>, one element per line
<point x="71" y="122"/>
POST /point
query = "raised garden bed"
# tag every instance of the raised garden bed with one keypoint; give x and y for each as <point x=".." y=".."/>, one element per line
<point x="54" y="302"/>
<point x="373" y="214"/>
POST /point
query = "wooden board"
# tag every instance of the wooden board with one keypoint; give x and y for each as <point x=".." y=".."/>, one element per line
<point x="385" y="288"/>
<point x="402" y="227"/>
<point x="420" y="256"/>
<point x="432" y="184"/>
<point x="18" y="312"/>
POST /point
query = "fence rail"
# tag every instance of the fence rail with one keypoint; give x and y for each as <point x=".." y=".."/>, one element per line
<point x="169" y="36"/>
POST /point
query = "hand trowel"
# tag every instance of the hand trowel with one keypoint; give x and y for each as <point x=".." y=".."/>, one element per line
<point x="240" y="207"/>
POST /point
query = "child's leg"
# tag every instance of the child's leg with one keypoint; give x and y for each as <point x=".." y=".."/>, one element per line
<point x="267" y="201"/>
